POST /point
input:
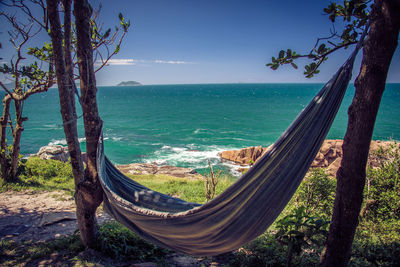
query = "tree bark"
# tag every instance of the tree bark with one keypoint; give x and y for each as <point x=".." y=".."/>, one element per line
<point x="67" y="100"/>
<point x="3" y="144"/>
<point x="89" y="192"/>
<point x="19" y="120"/>
<point x="377" y="54"/>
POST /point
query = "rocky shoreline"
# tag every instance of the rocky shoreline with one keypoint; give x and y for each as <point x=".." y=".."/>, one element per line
<point x="149" y="168"/>
<point x="328" y="157"/>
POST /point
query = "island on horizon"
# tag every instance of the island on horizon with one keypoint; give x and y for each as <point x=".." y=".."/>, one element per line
<point x="129" y="83"/>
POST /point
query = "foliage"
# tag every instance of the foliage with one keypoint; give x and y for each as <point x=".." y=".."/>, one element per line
<point x="263" y="251"/>
<point x="355" y="16"/>
<point x="120" y="243"/>
<point x="40" y="174"/>
<point x="300" y="231"/>
<point x="367" y="253"/>
<point x="383" y="187"/>
<point x="7" y="158"/>
<point x="377" y="242"/>
<point x="316" y="193"/>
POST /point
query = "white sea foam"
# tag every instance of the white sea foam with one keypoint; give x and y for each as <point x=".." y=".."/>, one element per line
<point x="54" y="142"/>
<point x="63" y="142"/>
<point x="190" y="156"/>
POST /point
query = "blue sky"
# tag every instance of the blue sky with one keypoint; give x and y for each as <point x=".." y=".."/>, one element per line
<point x="217" y="41"/>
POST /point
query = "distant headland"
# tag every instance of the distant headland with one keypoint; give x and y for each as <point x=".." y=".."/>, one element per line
<point x="129" y="83"/>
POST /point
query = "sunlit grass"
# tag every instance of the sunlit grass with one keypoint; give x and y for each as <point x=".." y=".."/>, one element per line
<point x="191" y="190"/>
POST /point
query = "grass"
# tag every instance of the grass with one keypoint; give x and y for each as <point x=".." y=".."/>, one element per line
<point x="191" y="190"/>
<point x="377" y="240"/>
<point x="43" y="175"/>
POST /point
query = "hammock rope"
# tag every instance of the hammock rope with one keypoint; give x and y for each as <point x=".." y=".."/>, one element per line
<point x="248" y="207"/>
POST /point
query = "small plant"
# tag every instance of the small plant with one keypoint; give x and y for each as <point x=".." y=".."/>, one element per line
<point x="211" y="182"/>
<point x="6" y="174"/>
<point x="298" y="231"/>
<point x="316" y="193"/>
<point x="41" y="174"/>
<point x="382" y="193"/>
<point x="120" y="243"/>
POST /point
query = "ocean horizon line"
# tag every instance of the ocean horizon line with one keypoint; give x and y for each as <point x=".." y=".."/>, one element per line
<point x="222" y="83"/>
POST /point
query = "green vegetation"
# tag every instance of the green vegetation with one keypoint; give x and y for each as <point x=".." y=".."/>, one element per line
<point x="296" y="238"/>
<point x="377" y="240"/>
<point x="117" y="245"/>
<point x="42" y="175"/>
<point x="191" y="190"/>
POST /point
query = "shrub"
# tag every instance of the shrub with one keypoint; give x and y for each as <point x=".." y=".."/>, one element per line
<point x="47" y="169"/>
<point x="263" y="251"/>
<point x="316" y="193"/>
<point x="120" y="243"/>
<point x="41" y="174"/>
<point x="382" y="192"/>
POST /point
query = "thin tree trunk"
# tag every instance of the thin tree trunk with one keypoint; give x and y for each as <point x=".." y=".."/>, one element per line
<point x="89" y="192"/>
<point x="17" y="139"/>
<point x="3" y="144"/>
<point x="67" y="100"/>
<point x="370" y="84"/>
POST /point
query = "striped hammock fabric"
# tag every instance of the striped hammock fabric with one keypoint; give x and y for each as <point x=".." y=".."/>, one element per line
<point x="247" y="208"/>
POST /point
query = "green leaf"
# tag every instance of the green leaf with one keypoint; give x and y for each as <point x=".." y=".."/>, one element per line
<point x="281" y="54"/>
<point x="294" y="65"/>
<point x="321" y="49"/>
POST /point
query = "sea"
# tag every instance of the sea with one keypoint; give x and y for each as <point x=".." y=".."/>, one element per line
<point x="187" y="125"/>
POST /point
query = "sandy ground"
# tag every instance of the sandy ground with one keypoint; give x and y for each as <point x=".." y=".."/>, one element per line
<point x="38" y="216"/>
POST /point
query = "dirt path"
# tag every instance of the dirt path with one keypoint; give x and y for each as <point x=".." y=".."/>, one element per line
<point x="38" y="216"/>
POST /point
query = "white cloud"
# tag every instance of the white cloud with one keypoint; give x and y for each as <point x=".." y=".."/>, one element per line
<point x="131" y="61"/>
<point x="171" y="62"/>
<point x="118" y="62"/>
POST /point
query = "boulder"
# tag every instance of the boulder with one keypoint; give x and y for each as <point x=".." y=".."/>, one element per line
<point x="55" y="152"/>
<point x="329" y="156"/>
<point x="245" y="156"/>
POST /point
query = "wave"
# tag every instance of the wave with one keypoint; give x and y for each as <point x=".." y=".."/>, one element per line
<point x="190" y="156"/>
<point x="63" y="142"/>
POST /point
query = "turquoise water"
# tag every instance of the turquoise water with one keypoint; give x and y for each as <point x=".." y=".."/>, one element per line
<point x="184" y="125"/>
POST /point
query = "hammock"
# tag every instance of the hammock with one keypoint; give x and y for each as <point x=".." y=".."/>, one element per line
<point x="247" y="208"/>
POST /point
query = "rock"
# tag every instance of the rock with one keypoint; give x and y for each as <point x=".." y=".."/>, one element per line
<point x="56" y="152"/>
<point x="245" y="156"/>
<point x="148" y="168"/>
<point x="329" y="155"/>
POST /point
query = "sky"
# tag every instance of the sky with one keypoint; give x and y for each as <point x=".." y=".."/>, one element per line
<point x="217" y="41"/>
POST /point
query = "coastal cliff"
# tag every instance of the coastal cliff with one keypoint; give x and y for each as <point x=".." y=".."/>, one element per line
<point x="328" y="157"/>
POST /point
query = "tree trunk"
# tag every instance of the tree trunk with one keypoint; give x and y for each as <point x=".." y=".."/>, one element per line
<point x="89" y="193"/>
<point x="19" y="120"/>
<point x="5" y="164"/>
<point x="370" y="84"/>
